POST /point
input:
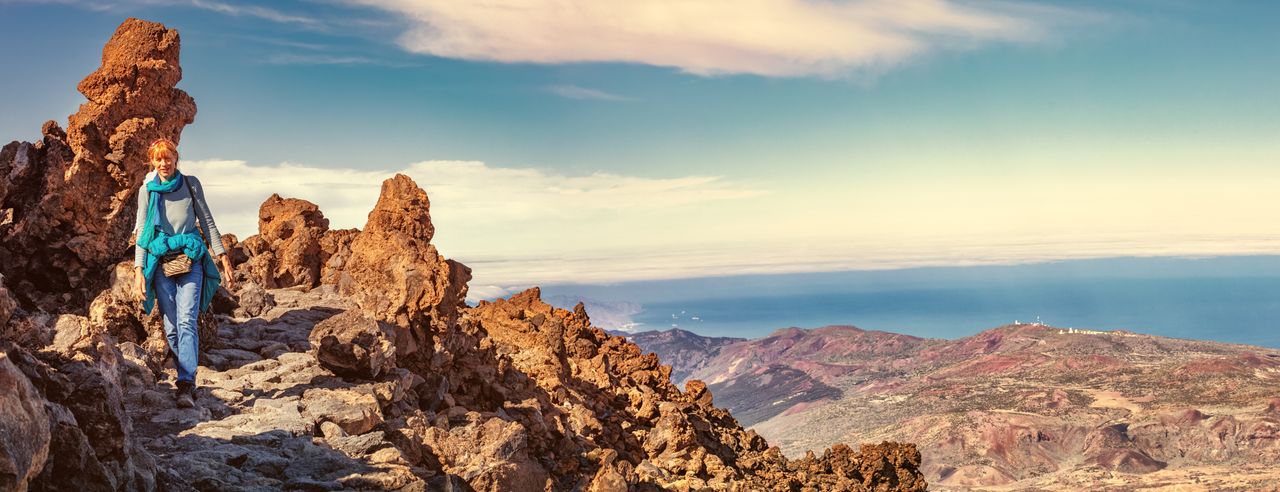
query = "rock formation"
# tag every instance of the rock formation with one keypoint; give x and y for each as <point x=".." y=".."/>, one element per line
<point x="349" y="361"/>
<point x="294" y="247"/>
<point x="66" y="213"/>
<point x="286" y="251"/>
<point x="415" y="285"/>
<point x="559" y="375"/>
<point x="79" y="382"/>
<point x="67" y="203"/>
<point x="354" y="345"/>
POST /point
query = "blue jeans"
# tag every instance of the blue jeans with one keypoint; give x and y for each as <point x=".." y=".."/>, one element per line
<point x="179" y="300"/>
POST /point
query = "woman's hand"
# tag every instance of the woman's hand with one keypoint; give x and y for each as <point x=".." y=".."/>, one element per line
<point x="230" y="276"/>
<point x="139" y="284"/>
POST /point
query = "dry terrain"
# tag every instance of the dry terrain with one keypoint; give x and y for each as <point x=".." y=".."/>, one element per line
<point x="1018" y="407"/>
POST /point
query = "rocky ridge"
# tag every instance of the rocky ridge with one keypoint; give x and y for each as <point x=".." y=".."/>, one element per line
<point x="345" y="360"/>
<point x="685" y="351"/>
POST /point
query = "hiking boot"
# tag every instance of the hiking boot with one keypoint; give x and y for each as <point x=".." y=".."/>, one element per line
<point x="185" y="395"/>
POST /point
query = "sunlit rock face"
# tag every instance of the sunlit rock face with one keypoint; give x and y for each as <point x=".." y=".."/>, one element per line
<point x="67" y="205"/>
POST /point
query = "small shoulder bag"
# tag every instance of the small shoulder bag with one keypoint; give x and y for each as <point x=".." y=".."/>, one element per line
<point x="175" y="264"/>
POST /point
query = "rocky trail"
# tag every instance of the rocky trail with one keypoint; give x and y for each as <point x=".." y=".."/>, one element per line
<point x="269" y="417"/>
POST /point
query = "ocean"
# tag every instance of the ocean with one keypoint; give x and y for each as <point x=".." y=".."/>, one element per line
<point x="1230" y="299"/>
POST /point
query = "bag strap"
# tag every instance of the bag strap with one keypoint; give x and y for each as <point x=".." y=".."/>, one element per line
<point x="195" y="204"/>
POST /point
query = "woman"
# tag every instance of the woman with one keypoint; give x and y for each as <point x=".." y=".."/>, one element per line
<point x="169" y="205"/>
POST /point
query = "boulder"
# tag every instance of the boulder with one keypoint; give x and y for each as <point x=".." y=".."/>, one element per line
<point x="116" y="310"/>
<point x="354" y="411"/>
<point x="491" y="454"/>
<point x="24" y="428"/>
<point x="253" y="301"/>
<point x="353" y="345"/>
<point x="286" y="250"/>
<point x="395" y="274"/>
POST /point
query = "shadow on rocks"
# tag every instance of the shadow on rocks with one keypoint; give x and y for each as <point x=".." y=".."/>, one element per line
<point x="249" y="341"/>
<point x="273" y="460"/>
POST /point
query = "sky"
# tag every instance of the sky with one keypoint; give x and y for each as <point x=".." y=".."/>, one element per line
<point x="612" y="140"/>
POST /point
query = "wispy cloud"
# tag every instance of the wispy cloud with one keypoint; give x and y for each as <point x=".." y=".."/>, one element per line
<point x="708" y="37"/>
<point x="94" y="6"/>
<point x="329" y="59"/>
<point x="583" y="93"/>
<point x="288" y="43"/>
<point x="255" y="11"/>
<point x="221" y="7"/>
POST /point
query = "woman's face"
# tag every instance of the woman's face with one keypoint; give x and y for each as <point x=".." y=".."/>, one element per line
<point x="165" y="165"/>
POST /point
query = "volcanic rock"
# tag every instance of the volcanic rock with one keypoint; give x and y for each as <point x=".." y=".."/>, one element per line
<point x="354" y="411"/>
<point x="335" y="250"/>
<point x="353" y="345"/>
<point x="395" y="274"/>
<point x="286" y="250"/>
<point x="24" y="428"/>
<point x="609" y="397"/>
<point x="116" y="310"/>
<point x="89" y="427"/>
<point x="58" y="246"/>
<point x="253" y="300"/>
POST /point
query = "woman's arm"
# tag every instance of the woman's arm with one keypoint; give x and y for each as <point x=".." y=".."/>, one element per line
<point x="139" y="284"/>
<point x="138" y="253"/>
<point x="207" y="225"/>
<point x="210" y="230"/>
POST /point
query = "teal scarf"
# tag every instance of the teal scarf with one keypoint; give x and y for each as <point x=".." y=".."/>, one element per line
<point x="157" y="243"/>
<point x="155" y="188"/>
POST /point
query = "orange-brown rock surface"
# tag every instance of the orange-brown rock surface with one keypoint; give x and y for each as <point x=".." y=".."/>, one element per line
<point x="286" y="251"/>
<point x="66" y="211"/>
<point x="558" y="375"/>
<point x="294" y="247"/>
<point x="394" y="273"/>
<point x="335" y="250"/>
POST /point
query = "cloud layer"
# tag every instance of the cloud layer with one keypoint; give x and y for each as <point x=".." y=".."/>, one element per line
<point x="707" y="37"/>
<point x="474" y="201"/>
<point x="518" y="227"/>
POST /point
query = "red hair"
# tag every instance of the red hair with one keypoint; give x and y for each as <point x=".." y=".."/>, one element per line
<point x="161" y="147"/>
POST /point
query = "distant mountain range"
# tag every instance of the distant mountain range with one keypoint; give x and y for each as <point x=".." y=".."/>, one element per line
<point x="1018" y="406"/>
